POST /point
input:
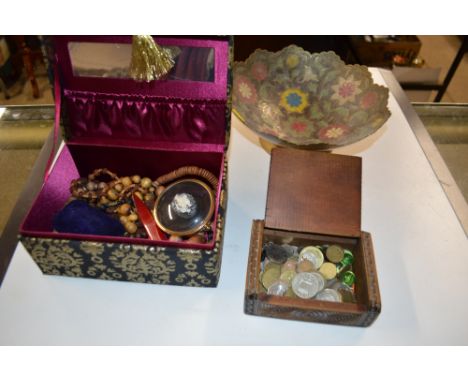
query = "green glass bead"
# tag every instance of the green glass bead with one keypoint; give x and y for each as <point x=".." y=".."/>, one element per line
<point x="348" y="278"/>
<point x="348" y="257"/>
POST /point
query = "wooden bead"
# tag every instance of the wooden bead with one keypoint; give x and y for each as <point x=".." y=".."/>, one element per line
<point x="91" y="186"/>
<point x="136" y="178"/>
<point x="146" y="183"/>
<point x="103" y="200"/>
<point x="123" y="219"/>
<point x="124" y="209"/>
<point x="133" y="217"/>
<point x="112" y="195"/>
<point x="131" y="227"/>
<point x="118" y="187"/>
<point x="199" y="239"/>
<point x="149" y="197"/>
<point x="175" y="238"/>
<point x="126" y="181"/>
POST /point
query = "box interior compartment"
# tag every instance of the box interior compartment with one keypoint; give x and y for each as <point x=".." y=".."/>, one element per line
<point x="305" y="239"/>
<point x="78" y="160"/>
<point x="134" y="128"/>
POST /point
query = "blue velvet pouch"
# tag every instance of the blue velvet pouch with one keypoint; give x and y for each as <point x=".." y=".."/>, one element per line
<point x="78" y="217"/>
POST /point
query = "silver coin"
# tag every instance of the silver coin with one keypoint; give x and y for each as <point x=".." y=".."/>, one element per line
<point x="313" y="254"/>
<point x="307" y="284"/>
<point x="329" y="295"/>
<point x="275" y="253"/>
<point x="278" y="288"/>
<point x="291" y="250"/>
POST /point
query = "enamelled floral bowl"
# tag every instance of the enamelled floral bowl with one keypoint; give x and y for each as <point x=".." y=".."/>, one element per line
<point x="314" y="101"/>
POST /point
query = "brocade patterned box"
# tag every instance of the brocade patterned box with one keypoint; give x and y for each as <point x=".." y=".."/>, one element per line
<point x="111" y="121"/>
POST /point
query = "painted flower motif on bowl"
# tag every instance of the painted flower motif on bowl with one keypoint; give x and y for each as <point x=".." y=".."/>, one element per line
<point x="333" y="133"/>
<point x="315" y="101"/>
<point x="292" y="61"/>
<point x="369" y="99"/>
<point x="259" y="71"/>
<point x="294" y="100"/>
<point x="245" y="90"/>
<point x="346" y="90"/>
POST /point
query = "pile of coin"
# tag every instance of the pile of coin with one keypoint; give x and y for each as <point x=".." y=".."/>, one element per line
<point x="321" y="272"/>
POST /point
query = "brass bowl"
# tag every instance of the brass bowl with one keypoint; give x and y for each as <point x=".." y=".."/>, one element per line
<point x="312" y="101"/>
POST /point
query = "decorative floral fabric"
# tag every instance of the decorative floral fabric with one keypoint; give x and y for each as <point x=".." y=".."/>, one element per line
<point x="294" y="97"/>
<point x="137" y="263"/>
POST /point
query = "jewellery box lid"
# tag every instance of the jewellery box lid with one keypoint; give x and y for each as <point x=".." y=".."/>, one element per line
<point x="101" y="101"/>
<point x="314" y="192"/>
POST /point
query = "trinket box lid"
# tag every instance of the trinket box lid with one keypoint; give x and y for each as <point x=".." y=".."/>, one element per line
<point x="314" y="192"/>
<point x="102" y="104"/>
<point x="100" y="64"/>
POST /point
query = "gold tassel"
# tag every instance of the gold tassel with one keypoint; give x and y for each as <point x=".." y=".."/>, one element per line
<point x="149" y="60"/>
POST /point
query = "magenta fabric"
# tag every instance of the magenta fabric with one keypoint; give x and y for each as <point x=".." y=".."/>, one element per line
<point x="53" y="195"/>
<point x="154" y="119"/>
<point x="77" y="160"/>
<point x="162" y="88"/>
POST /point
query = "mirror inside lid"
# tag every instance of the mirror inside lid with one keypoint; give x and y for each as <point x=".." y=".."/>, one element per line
<point x="102" y="64"/>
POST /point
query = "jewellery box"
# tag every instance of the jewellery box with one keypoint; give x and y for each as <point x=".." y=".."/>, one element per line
<point x="146" y="128"/>
<point x="314" y="198"/>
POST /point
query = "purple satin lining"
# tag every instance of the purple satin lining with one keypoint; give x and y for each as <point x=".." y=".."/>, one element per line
<point x="136" y="117"/>
<point x="77" y="160"/>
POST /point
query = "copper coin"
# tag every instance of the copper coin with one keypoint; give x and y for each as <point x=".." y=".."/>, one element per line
<point x="290" y="264"/>
<point x="305" y="266"/>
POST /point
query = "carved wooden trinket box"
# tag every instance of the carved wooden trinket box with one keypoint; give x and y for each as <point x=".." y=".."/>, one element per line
<point x="314" y="199"/>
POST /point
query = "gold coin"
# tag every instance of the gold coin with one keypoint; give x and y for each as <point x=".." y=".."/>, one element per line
<point x="287" y="276"/>
<point x="328" y="270"/>
<point x="335" y="253"/>
<point x="272" y="265"/>
<point x="270" y="276"/>
<point x="290" y="293"/>
<point x="260" y="285"/>
<point x="305" y="266"/>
